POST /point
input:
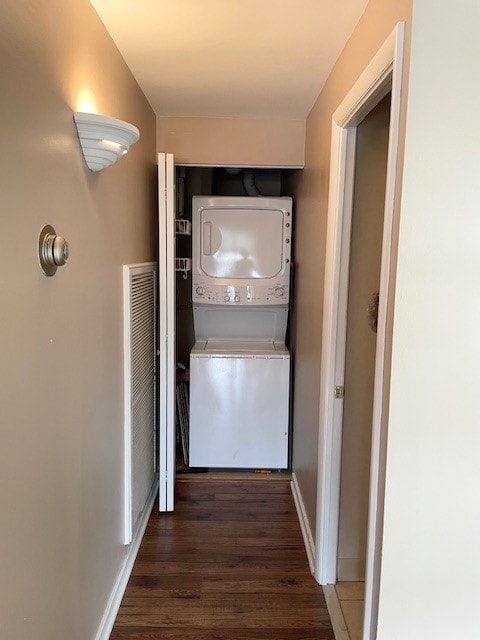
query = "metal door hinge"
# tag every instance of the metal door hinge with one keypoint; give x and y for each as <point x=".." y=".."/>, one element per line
<point x="339" y="392"/>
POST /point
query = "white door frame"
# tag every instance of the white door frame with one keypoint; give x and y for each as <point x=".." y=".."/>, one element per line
<point x="384" y="73"/>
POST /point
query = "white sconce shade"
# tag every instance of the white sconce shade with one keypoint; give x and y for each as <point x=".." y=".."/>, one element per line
<point x="104" y="140"/>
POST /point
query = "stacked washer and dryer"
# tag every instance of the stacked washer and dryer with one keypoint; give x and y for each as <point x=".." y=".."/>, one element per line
<point x="239" y="365"/>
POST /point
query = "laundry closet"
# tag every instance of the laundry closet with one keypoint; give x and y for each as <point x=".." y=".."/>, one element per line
<point x="227" y="272"/>
<point x="233" y="292"/>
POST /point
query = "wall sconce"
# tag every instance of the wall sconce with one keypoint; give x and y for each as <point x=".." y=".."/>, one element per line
<point x="104" y="139"/>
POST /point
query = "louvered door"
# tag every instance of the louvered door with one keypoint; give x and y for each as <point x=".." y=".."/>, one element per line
<point x="139" y="376"/>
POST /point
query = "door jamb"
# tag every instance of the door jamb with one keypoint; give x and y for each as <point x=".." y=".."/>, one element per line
<point x="384" y="73"/>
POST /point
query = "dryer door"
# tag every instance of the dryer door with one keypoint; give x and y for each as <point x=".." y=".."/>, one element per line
<point x="241" y="243"/>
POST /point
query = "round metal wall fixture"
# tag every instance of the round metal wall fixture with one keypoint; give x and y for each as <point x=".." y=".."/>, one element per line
<point x="52" y="250"/>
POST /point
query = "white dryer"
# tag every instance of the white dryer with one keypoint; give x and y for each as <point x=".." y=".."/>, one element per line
<point x="239" y="366"/>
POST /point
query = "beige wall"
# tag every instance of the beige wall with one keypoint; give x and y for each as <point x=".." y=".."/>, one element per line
<point x="311" y="199"/>
<point x="364" y="282"/>
<point x="431" y="555"/>
<point x="233" y="141"/>
<point x="61" y="338"/>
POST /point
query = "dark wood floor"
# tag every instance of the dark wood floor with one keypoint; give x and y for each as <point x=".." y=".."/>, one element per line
<point x="228" y="564"/>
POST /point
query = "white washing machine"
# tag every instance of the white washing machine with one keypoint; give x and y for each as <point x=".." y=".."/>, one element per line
<point x="239" y="404"/>
<point x="239" y="366"/>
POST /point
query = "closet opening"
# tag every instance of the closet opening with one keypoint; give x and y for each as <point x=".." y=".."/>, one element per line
<point x="259" y="185"/>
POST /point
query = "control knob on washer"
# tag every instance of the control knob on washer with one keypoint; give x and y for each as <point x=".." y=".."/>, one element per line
<point x="227" y="298"/>
<point x="279" y="292"/>
<point x="200" y="291"/>
<point x="237" y="298"/>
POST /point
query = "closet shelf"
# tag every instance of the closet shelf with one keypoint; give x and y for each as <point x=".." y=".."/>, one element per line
<point x="183" y="227"/>
<point x="183" y="265"/>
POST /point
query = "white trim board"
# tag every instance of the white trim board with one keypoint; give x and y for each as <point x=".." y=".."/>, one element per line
<point x="335" y="612"/>
<point x="304" y="524"/>
<point x="239" y="166"/>
<point x="113" y="605"/>
<point x="383" y="74"/>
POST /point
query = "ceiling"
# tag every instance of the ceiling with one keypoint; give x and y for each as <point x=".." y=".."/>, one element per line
<point x="230" y="58"/>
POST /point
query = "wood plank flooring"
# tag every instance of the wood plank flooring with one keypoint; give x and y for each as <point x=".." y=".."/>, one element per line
<point x="228" y="564"/>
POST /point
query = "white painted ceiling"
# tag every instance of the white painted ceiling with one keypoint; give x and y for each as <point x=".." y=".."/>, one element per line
<point x="230" y="58"/>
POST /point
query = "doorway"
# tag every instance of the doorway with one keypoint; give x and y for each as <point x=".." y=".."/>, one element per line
<point x="363" y="287"/>
<point x="381" y="76"/>
<point x="176" y="334"/>
<point x="371" y="157"/>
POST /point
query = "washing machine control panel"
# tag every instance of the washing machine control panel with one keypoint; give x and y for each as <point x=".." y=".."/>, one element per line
<point x="238" y="295"/>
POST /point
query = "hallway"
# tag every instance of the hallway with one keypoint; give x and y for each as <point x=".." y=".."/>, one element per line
<point x="229" y="564"/>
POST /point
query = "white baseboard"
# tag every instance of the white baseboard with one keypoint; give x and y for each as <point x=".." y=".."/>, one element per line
<point x="113" y="605"/>
<point x="304" y="524"/>
<point x="335" y="613"/>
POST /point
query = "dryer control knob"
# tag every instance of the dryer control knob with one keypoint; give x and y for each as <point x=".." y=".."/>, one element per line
<point x="279" y="292"/>
<point x="227" y="298"/>
<point x="200" y="291"/>
<point x="237" y="298"/>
